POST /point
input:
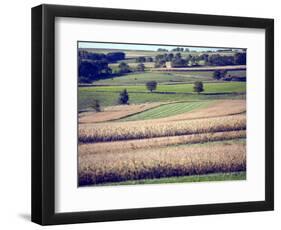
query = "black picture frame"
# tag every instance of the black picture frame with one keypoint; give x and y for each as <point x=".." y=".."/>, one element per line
<point x="43" y="114"/>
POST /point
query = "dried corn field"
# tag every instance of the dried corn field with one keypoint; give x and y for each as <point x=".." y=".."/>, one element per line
<point x="161" y="162"/>
<point x="148" y="129"/>
<point x="123" y="146"/>
<point x="210" y="139"/>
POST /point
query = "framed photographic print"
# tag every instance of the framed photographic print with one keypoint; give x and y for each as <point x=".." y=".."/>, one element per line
<point x="142" y="114"/>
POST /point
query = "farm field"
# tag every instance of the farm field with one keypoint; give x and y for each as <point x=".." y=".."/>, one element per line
<point x="167" y="110"/>
<point x="164" y="77"/>
<point x="163" y="138"/>
<point x="183" y="160"/>
<point x="184" y="179"/>
<point x="222" y="87"/>
<point x="164" y="93"/>
<point x="156" y="125"/>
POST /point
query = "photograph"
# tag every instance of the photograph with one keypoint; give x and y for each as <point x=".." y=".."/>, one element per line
<point x="152" y="114"/>
<point x="148" y="113"/>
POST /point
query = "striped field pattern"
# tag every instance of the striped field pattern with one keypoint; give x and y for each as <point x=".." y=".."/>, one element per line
<point x="175" y="140"/>
<point x="167" y="110"/>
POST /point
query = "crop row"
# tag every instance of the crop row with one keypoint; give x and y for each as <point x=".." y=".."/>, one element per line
<point x="114" y="131"/>
<point x="125" y="146"/>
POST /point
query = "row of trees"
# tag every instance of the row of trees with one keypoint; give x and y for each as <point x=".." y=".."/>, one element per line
<point x="180" y="49"/>
<point x="94" y="66"/>
<point x="94" y="70"/>
<point x="110" y="57"/>
<point x="212" y="60"/>
<point x="144" y="59"/>
<point x="99" y="69"/>
<point x="223" y="75"/>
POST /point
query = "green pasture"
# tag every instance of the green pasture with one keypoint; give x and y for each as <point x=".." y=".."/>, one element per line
<point x="222" y="87"/>
<point x="86" y="98"/>
<point x="163" y="77"/>
<point x="108" y="95"/>
<point x="167" y="110"/>
<point x="160" y="77"/>
<point x="185" y="179"/>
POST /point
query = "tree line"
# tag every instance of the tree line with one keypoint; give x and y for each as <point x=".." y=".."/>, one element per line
<point x="95" y="66"/>
<point x="177" y="60"/>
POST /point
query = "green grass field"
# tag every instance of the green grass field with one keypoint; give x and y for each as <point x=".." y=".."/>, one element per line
<point x="108" y="95"/>
<point x="163" y="77"/>
<point x="187" y="179"/>
<point x="167" y="110"/>
<point x="222" y="87"/>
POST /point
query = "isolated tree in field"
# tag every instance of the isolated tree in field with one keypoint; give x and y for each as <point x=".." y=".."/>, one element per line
<point x="96" y="106"/>
<point x="198" y="87"/>
<point x="140" y="67"/>
<point x="123" y="97"/>
<point x="151" y="85"/>
<point x="219" y="74"/>
<point x="124" y="67"/>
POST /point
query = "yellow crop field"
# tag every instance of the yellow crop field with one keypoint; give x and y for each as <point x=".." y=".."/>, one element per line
<point x="161" y="162"/>
<point x="150" y="143"/>
<point x="148" y="129"/>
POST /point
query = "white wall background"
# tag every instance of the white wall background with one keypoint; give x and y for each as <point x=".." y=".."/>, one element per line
<point x="15" y="113"/>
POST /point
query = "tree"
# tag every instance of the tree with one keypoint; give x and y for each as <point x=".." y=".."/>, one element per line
<point x="221" y="60"/>
<point x="151" y="85"/>
<point x="123" y="97"/>
<point x="177" y="61"/>
<point x="115" y="56"/>
<point x="219" y="74"/>
<point x="140" y="59"/>
<point x="170" y="57"/>
<point x="140" y="67"/>
<point x="92" y="71"/>
<point x="178" y="55"/>
<point x="198" y="87"/>
<point x="240" y="59"/>
<point x="124" y="67"/>
<point x="96" y="106"/>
